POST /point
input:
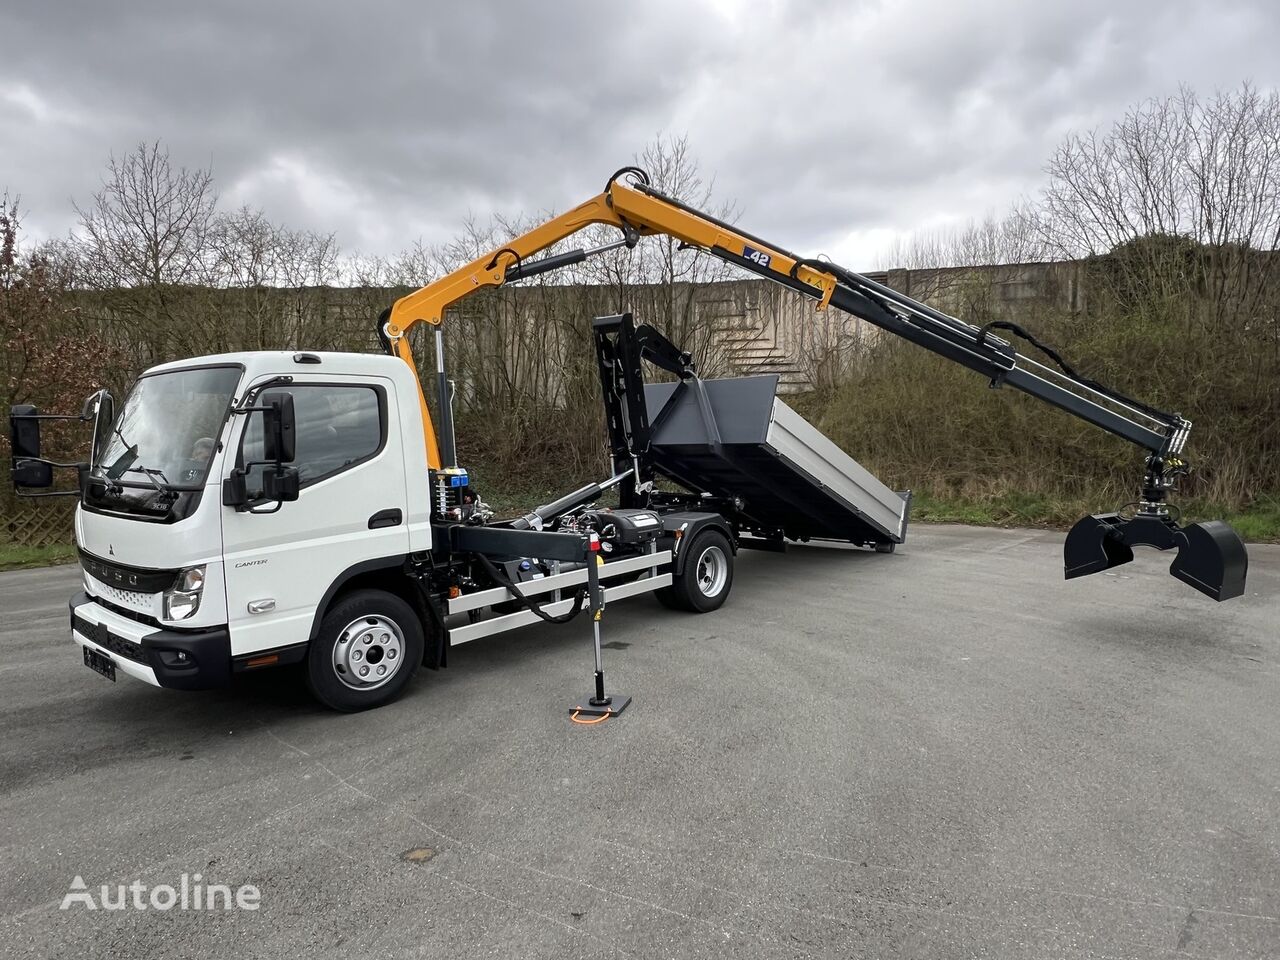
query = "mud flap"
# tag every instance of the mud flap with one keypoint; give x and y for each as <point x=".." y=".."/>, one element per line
<point x="1211" y="556"/>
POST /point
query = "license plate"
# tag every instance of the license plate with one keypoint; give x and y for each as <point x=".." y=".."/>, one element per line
<point x="100" y="663"/>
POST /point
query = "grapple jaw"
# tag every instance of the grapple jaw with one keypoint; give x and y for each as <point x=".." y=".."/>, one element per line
<point x="1211" y="556"/>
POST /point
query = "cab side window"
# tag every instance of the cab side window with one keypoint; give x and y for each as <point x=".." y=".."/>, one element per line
<point x="338" y="427"/>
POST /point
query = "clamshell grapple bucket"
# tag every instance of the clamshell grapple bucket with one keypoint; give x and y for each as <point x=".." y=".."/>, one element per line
<point x="1210" y="556"/>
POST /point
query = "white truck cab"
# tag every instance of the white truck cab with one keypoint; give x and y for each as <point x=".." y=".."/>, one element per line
<point x="182" y="589"/>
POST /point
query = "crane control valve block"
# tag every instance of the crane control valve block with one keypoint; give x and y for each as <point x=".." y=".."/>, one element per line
<point x="453" y="499"/>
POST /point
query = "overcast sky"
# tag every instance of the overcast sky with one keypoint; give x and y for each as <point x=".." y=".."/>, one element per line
<point x="835" y="126"/>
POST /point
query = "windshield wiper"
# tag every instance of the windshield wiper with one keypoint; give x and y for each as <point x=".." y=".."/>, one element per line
<point x="162" y="485"/>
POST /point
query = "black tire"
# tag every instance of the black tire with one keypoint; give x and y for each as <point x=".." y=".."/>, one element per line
<point x="704" y="583"/>
<point x="667" y="597"/>
<point x="886" y="547"/>
<point x="384" y="633"/>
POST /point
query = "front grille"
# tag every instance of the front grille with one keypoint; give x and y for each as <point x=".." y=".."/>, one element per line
<point x="103" y="637"/>
<point x="128" y="599"/>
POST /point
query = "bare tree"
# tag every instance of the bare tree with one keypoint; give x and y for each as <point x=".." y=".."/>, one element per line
<point x="148" y="224"/>
<point x="51" y="357"/>
<point x="991" y="241"/>
<point x="1167" y="225"/>
<point x="667" y="285"/>
<point x="143" y="234"/>
<point x="1180" y="197"/>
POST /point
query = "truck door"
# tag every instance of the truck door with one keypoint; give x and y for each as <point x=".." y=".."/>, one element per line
<point x="350" y="510"/>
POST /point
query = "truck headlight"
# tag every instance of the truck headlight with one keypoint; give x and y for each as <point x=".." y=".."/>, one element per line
<point x="183" y="598"/>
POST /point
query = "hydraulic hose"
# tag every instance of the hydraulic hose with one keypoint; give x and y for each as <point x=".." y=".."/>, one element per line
<point x="528" y="603"/>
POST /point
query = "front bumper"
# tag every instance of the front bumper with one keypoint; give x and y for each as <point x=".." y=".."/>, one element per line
<point x="178" y="659"/>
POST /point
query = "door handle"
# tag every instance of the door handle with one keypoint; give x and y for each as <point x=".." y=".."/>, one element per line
<point x="386" y="518"/>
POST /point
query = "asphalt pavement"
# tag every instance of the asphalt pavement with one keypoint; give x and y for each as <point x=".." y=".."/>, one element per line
<point x="945" y="752"/>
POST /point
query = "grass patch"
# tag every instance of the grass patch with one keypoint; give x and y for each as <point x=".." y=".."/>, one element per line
<point x="15" y="557"/>
<point x="1258" y="523"/>
<point x="514" y="497"/>
<point x="510" y="499"/>
<point x="1012" y="510"/>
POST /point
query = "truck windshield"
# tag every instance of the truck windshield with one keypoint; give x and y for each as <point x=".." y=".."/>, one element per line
<point x="167" y="429"/>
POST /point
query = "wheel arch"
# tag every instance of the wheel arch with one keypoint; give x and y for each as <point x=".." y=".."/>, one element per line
<point x="697" y="524"/>
<point x="388" y="575"/>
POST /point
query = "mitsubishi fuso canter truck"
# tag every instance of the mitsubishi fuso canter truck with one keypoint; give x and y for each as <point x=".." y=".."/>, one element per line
<point x="251" y="510"/>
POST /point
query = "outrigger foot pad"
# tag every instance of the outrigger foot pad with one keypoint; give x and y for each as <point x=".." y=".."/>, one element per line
<point x="1211" y="556"/>
<point x="611" y="706"/>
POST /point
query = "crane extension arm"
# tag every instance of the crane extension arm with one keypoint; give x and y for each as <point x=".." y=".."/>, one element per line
<point x="640" y="210"/>
<point x="637" y="209"/>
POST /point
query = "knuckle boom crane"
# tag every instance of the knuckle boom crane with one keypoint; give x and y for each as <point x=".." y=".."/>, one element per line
<point x="1209" y="556"/>
<point x="224" y="522"/>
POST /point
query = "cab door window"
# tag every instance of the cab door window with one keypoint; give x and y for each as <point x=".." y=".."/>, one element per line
<point x="338" y="427"/>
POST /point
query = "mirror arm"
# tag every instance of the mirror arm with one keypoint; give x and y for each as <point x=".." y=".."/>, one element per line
<point x="262" y="513"/>
<point x="256" y="463"/>
<point x="82" y="470"/>
<point x="253" y="393"/>
<point x="52" y="463"/>
<point x="50" y="416"/>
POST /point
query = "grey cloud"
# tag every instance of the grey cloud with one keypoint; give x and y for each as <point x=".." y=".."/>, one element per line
<point x="830" y="123"/>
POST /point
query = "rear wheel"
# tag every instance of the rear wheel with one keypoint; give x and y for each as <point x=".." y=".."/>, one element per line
<point x="369" y="645"/>
<point x="704" y="583"/>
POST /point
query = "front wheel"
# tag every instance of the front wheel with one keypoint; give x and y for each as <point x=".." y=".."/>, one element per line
<point x="366" y="653"/>
<point x="704" y="583"/>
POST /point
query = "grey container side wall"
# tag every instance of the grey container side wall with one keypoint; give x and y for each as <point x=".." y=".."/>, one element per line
<point x="789" y="475"/>
<point x="799" y="443"/>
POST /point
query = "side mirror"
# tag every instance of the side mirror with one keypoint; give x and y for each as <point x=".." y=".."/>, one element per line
<point x="24" y="431"/>
<point x="279" y="429"/>
<point x="280" y="483"/>
<point x="101" y="409"/>
<point x="235" y="490"/>
<point x="31" y="475"/>
<point x="29" y="472"/>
